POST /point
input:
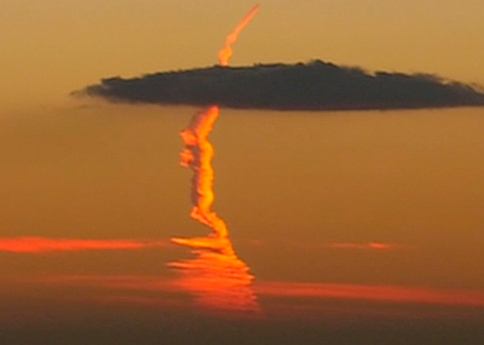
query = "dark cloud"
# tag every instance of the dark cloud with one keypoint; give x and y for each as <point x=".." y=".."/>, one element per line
<point x="313" y="86"/>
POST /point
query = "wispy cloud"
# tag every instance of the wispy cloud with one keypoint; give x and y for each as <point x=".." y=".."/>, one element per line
<point x="376" y="293"/>
<point x="349" y="245"/>
<point x="383" y="293"/>
<point x="365" y="246"/>
<point x="36" y="245"/>
<point x="313" y="86"/>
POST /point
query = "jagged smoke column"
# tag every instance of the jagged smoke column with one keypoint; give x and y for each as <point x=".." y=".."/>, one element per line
<point x="217" y="277"/>
<point x="198" y="154"/>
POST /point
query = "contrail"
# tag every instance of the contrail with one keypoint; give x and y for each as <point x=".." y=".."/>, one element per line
<point x="198" y="154"/>
<point x="226" y="53"/>
<point x="217" y="277"/>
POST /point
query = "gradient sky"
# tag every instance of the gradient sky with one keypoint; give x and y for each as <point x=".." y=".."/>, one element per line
<point x="53" y="47"/>
<point x="356" y="221"/>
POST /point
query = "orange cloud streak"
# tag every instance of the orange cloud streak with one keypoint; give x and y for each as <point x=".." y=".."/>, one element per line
<point x="35" y="245"/>
<point x="376" y="246"/>
<point x="376" y="293"/>
<point x="226" y="53"/>
<point x="373" y="293"/>
<point x="369" y="246"/>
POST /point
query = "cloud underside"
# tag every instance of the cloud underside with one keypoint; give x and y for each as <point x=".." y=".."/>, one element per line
<point x="313" y="86"/>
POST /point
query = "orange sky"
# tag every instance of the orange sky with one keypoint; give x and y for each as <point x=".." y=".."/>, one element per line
<point x="53" y="47"/>
<point x="299" y="181"/>
<point x="361" y="199"/>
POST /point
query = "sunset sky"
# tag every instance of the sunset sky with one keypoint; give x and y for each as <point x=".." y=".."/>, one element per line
<point x="344" y="223"/>
<point x="53" y="47"/>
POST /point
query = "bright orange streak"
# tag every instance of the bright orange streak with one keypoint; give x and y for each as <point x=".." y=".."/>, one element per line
<point x="226" y="53"/>
<point x="41" y="245"/>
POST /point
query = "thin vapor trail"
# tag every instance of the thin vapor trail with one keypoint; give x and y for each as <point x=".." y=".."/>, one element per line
<point x="226" y="53"/>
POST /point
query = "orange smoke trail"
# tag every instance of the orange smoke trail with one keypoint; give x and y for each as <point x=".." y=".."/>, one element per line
<point x="217" y="277"/>
<point x="198" y="155"/>
<point x="226" y="53"/>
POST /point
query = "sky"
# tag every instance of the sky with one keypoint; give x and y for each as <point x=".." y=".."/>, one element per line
<point x="353" y="227"/>
<point x="55" y="47"/>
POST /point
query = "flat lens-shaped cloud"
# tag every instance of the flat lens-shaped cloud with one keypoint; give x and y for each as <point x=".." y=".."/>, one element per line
<point x="313" y="86"/>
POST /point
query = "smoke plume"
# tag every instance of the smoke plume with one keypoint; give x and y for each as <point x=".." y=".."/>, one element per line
<point x="217" y="277"/>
